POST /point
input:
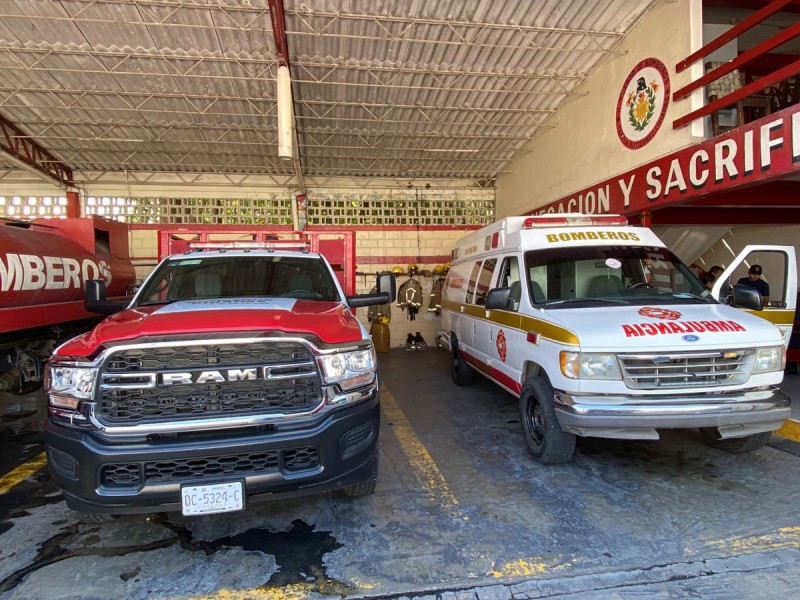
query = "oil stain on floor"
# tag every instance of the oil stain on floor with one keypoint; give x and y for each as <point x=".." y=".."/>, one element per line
<point x="299" y="553"/>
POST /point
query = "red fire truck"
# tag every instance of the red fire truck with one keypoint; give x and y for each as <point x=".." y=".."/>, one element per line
<point x="43" y="266"/>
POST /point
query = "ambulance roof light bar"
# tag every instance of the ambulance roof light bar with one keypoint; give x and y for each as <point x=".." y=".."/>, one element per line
<point x="573" y="220"/>
<point x="268" y="245"/>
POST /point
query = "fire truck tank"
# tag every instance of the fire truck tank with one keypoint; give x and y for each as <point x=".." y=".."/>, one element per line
<point x="43" y="267"/>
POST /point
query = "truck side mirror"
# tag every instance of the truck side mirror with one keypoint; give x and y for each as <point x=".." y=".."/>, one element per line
<point x="95" y="298"/>
<point x="387" y="284"/>
<point x="386" y="293"/>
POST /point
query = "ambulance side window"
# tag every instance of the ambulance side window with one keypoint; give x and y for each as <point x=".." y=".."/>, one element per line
<point x="509" y="277"/>
<point x="473" y="282"/>
<point x="509" y="272"/>
<point x="456" y="283"/>
<point x="484" y="279"/>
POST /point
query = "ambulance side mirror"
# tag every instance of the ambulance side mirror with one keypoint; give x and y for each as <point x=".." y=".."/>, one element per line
<point x="745" y="296"/>
<point x="498" y="299"/>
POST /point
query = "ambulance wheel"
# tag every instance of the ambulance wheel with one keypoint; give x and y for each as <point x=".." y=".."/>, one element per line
<point x="548" y="443"/>
<point x="738" y="445"/>
<point x="462" y="372"/>
<point x="366" y="487"/>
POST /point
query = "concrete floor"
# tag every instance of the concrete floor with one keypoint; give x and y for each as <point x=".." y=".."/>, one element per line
<point x="460" y="511"/>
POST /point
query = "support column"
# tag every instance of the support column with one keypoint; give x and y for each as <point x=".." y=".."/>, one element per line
<point x="73" y="204"/>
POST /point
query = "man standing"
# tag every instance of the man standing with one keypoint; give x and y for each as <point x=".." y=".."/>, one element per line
<point x="754" y="280"/>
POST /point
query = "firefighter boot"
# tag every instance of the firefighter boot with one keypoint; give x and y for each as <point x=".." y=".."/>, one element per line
<point x="419" y="342"/>
<point x="410" y="342"/>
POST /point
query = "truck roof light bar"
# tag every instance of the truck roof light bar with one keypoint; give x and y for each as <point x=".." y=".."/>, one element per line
<point x="573" y="220"/>
<point x="270" y="245"/>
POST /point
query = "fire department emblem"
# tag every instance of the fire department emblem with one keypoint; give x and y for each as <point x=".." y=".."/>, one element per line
<point x="642" y="103"/>
<point x="501" y="345"/>
<point x="659" y="313"/>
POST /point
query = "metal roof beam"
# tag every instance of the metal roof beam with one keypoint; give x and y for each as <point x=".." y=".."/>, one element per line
<point x="23" y="149"/>
<point x="403" y="69"/>
<point x="416" y="20"/>
<point x="169" y="20"/>
<point x="276" y="11"/>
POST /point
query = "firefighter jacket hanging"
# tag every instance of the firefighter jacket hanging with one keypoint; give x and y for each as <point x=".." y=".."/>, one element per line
<point x="409" y="297"/>
<point x="435" y="302"/>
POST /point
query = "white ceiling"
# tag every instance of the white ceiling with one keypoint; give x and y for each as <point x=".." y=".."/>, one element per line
<point x="391" y="88"/>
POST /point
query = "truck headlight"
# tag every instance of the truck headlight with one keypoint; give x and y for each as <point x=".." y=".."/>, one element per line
<point x="67" y="386"/>
<point x="349" y="369"/>
<point x="770" y="359"/>
<point x="589" y="365"/>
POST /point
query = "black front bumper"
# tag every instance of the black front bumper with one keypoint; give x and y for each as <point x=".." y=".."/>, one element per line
<point x="332" y="452"/>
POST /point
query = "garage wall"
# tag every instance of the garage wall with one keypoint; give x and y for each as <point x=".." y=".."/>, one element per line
<point x="396" y="222"/>
<point x="581" y="147"/>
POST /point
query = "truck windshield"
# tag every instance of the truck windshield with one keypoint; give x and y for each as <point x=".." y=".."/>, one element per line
<point x="188" y="278"/>
<point x="567" y="277"/>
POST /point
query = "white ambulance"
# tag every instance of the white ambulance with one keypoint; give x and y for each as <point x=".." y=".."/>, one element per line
<point x="602" y="331"/>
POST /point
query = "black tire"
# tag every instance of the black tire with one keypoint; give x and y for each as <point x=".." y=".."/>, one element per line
<point x="738" y="445"/>
<point x="462" y="372"/>
<point x="548" y="443"/>
<point x="366" y="487"/>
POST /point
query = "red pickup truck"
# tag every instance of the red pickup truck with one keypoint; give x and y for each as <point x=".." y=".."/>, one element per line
<point x="232" y="375"/>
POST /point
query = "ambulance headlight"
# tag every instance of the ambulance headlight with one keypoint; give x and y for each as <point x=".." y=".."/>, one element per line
<point x="349" y="369"/>
<point x="770" y="359"/>
<point x="589" y="365"/>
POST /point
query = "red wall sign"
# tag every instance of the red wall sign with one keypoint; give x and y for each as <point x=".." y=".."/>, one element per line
<point x="766" y="149"/>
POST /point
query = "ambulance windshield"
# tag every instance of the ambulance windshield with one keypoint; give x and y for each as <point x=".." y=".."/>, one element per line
<point x="566" y="277"/>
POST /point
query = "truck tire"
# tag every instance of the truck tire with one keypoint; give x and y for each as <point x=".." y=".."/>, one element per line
<point x="546" y="441"/>
<point x="462" y="372"/>
<point x="366" y="487"/>
<point x="737" y="445"/>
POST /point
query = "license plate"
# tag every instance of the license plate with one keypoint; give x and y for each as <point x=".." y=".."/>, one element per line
<point x="209" y="499"/>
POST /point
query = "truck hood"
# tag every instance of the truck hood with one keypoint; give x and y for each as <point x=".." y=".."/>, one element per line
<point x="332" y="322"/>
<point x="665" y="327"/>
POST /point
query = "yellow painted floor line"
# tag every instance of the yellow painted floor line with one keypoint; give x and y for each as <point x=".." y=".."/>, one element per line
<point x="790" y="430"/>
<point x="12" y="478"/>
<point x="785" y="537"/>
<point x="432" y="480"/>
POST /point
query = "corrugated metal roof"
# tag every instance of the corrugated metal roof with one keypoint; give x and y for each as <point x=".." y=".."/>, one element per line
<point x="382" y="88"/>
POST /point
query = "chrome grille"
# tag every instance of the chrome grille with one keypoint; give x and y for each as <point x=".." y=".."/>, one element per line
<point x="686" y="370"/>
<point x="160" y="357"/>
<point x="139" y="385"/>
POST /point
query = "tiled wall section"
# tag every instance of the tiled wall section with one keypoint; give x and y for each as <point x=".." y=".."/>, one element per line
<point x="432" y="243"/>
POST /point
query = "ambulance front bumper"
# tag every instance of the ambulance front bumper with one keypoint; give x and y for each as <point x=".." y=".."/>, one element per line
<point x="735" y="414"/>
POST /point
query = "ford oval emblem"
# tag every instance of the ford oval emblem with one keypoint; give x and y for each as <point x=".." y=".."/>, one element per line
<point x="690" y="338"/>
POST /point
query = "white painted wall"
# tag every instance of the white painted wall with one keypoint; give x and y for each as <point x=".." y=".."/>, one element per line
<point x="583" y="148"/>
